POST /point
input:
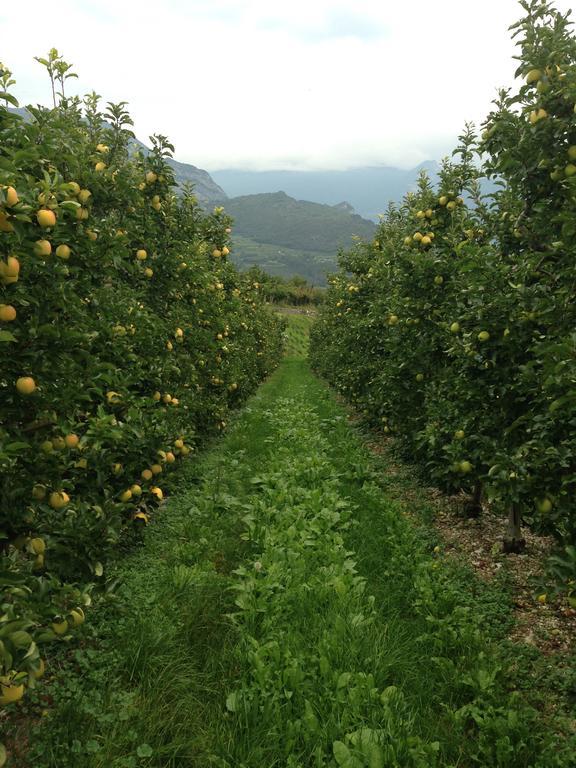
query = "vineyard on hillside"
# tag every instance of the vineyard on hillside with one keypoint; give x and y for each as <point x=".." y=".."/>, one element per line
<point x="455" y="328"/>
<point x="126" y="337"/>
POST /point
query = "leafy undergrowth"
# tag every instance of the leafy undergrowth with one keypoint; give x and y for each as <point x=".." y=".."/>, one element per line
<point x="284" y="612"/>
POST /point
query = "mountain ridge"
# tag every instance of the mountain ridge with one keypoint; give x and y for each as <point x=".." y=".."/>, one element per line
<point x="276" y="217"/>
<point x="369" y="190"/>
<point x="289" y="237"/>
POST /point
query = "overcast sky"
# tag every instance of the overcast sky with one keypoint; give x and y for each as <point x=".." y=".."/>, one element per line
<point x="262" y="84"/>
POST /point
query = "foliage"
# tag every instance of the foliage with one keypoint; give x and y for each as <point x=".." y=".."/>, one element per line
<point x="126" y="337"/>
<point x="294" y="292"/>
<point x="454" y="328"/>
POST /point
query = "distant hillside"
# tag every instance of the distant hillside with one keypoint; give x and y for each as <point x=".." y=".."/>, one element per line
<point x="368" y="190"/>
<point x="206" y="190"/>
<point x="281" y="220"/>
<point x="281" y="261"/>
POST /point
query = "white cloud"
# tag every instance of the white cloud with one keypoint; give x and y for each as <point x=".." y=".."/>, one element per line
<point x="255" y="83"/>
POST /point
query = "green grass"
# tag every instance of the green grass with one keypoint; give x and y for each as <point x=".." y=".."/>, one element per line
<point x="297" y="336"/>
<point x="285" y="612"/>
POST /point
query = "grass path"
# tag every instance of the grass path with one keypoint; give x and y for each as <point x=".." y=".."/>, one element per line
<point x="284" y="612"/>
<point x="298" y="327"/>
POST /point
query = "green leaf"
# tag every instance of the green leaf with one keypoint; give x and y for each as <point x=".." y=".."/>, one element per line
<point x="232" y="702"/>
<point x="344" y="757"/>
<point x="343" y="679"/>
<point x="144" y="750"/>
<point x="376" y="757"/>
<point x="341" y="753"/>
<point x="6" y="336"/>
<point x="9" y="98"/>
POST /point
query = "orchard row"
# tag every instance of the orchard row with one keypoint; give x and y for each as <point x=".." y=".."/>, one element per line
<point x="455" y="330"/>
<point x="126" y="337"/>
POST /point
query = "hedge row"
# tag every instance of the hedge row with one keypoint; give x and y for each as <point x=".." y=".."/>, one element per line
<point x="126" y="337"/>
<point x="455" y="329"/>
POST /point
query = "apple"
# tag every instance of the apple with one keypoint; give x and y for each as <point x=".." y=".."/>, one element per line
<point x="533" y="76"/>
<point x="544" y="505"/>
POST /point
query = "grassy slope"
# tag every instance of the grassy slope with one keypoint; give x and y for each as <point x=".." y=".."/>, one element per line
<point x="297" y="333"/>
<point x="278" y="218"/>
<point x="310" y="656"/>
<point x="282" y="261"/>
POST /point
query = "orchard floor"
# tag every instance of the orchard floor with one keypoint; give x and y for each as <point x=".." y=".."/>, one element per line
<point x="283" y="611"/>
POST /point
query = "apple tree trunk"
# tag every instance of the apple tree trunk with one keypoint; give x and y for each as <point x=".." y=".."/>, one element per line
<point x="513" y="540"/>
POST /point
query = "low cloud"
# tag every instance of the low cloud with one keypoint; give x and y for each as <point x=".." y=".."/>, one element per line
<point x="296" y="85"/>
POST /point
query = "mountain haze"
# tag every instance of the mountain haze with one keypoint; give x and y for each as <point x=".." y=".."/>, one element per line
<point x="369" y="190"/>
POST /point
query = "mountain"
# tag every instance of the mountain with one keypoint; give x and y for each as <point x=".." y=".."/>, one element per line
<point x="286" y="236"/>
<point x="280" y="219"/>
<point x="206" y="190"/>
<point x="368" y="190"/>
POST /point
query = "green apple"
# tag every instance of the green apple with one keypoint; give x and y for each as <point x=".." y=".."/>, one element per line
<point x="544" y="505"/>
